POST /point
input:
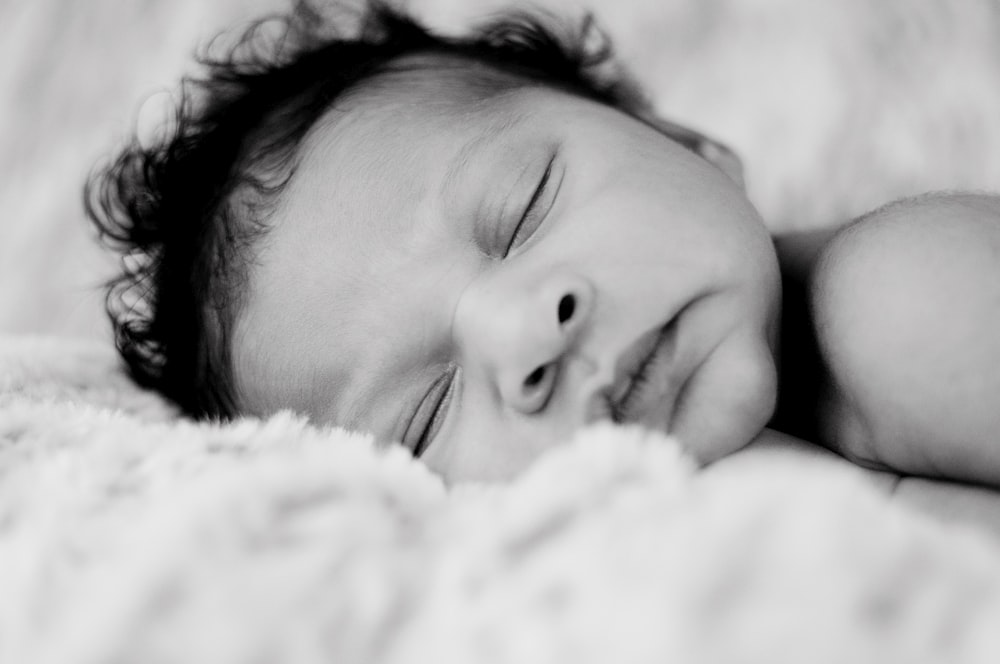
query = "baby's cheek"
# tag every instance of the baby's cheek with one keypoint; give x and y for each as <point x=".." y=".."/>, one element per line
<point x="487" y="446"/>
<point x="729" y="399"/>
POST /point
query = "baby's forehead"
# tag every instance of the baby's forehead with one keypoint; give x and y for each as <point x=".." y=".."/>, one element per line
<point x="412" y="114"/>
<point x="437" y="82"/>
<point x="442" y="92"/>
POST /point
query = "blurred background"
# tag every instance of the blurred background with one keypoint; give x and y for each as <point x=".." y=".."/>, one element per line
<point x="836" y="106"/>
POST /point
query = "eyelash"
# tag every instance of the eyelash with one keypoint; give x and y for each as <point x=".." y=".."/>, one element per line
<point x="441" y="392"/>
<point x="523" y="231"/>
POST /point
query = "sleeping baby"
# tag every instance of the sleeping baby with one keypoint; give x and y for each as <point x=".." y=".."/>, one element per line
<point x="473" y="246"/>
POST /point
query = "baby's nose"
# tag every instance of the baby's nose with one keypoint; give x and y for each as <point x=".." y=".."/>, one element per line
<point x="533" y="392"/>
<point x="526" y="333"/>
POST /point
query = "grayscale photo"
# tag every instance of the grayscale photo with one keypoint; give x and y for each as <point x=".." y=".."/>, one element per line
<point x="496" y="331"/>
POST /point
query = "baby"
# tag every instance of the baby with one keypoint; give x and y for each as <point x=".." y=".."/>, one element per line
<point x="474" y="246"/>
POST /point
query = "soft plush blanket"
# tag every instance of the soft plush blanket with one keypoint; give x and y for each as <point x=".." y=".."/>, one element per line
<point x="130" y="535"/>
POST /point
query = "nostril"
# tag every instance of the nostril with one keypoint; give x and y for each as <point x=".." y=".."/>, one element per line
<point x="567" y="307"/>
<point x="537" y="389"/>
<point x="535" y="377"/>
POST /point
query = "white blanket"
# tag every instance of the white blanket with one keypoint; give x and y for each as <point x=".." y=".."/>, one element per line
<point x="127" y="535"/>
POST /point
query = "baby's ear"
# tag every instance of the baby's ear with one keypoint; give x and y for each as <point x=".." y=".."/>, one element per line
<point x="709" y="149"/>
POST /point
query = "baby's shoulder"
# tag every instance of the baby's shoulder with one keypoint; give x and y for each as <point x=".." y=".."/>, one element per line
<point x="906" y="305"/>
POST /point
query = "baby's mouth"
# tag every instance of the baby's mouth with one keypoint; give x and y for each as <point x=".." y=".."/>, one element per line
<point x="644" y="382"/>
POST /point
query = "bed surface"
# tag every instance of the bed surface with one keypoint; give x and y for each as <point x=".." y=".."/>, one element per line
<point x="128" y="534"/>
<point x="951" y="503"/>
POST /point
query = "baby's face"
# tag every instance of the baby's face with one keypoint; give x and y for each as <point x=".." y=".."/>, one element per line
<point x="476" y="280"/>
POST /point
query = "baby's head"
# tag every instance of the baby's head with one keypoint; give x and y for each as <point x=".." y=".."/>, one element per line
<point x="471" y="246"/>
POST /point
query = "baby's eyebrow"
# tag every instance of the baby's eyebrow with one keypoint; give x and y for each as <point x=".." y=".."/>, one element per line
<point x="496" y="133"/>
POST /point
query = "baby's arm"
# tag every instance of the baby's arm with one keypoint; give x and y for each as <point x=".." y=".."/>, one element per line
<point x="907" y="309"/>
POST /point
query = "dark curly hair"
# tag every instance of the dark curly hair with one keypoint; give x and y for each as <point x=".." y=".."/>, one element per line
<point x="185" y="212"/>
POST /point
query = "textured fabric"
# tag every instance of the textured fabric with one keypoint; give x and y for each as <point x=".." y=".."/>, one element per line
<point x="127" y="535"/>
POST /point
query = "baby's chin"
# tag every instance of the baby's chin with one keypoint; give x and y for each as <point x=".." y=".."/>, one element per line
<point x="728" y="401"/>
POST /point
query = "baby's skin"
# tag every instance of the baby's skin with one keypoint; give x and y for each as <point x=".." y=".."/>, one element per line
<point x="905" y="305"/>
<point x="477" y="279"/>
